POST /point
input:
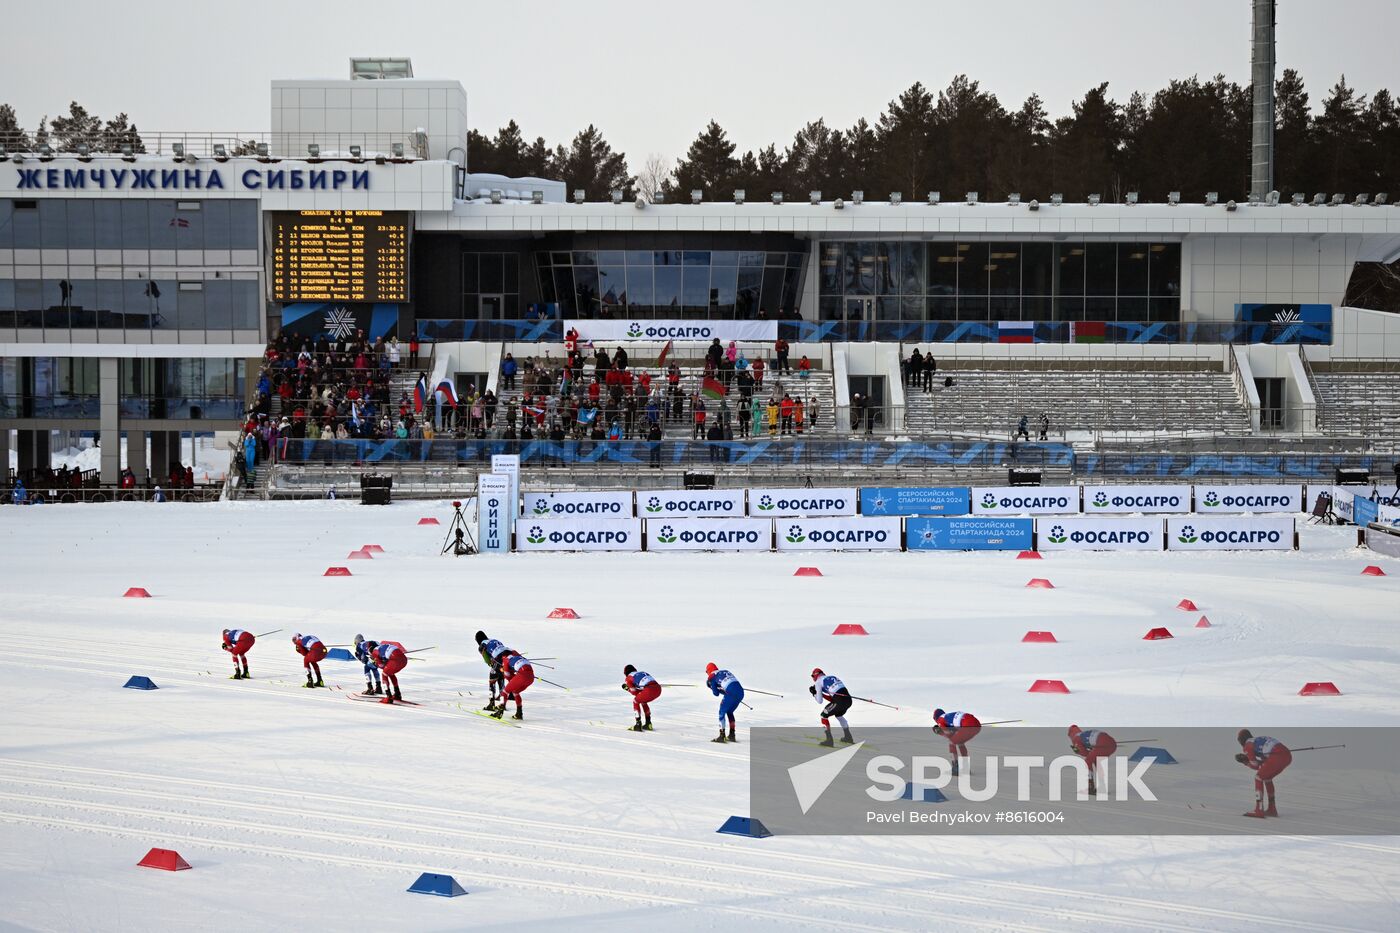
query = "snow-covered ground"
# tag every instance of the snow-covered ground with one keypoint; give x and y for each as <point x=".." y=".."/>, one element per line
<point x="300" y="810"/>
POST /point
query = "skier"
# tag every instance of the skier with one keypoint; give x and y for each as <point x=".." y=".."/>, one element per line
<point x="390" y="658"/>
<point x="958" y="729"/>
<point x="1266" y="757"/>
<point x="828" y="689"/>
<point x="520" y="674"/>
<point x="491" y="650"/>
<point x="237" y="642"/>
<point x="644" y="689"/>
<point x="312" y="652"/>
<point x="372" y="685"/>
<point x="726" y="685"/>
<point x="1092" y="745"/>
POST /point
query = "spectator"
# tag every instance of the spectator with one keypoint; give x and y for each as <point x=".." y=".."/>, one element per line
<point x="714" y="435"/>
<point x="785" y="412"/>
<point x="857" y="411"/>
<point x="713" y="354"/>
<point x="916" y="368"/>
<point x="413" y="351"/>
<point x="804" y="367"/>
<point x="812" y="409"/>
<point x="780" y="351"/>
<point x="731" y="352"/>
<point x="1044" y="426"/>
<point x="930" y="370"/>
<point x="771" y="416"/>
<point x="1022" y="429"/>
<point x="697" y="407"/>
<point x="755" y="416"/>
<point x="508" y="370"/>
<point x="615" y="431"/>
<point x="758" y="367"/>
<point x="798" y="414"/>
<point x="745" y="416"/>
<point x="620" y="358"/>
<point x="393" y="352"/>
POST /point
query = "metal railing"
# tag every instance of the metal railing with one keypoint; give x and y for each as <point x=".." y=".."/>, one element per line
<point x="290" y="144"/>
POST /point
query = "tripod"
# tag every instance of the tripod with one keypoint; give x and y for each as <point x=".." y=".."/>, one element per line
<point x="459" y="539"/>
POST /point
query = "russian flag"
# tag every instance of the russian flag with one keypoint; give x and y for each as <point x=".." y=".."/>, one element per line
<point x="420" y="393"/>
<point x="448" y="392"/>
<point x="1015" y="332"/>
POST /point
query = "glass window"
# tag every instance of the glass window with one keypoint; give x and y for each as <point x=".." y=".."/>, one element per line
<point x="887" y="309"/>
<point x="82" y="299"/>
<point x="775" y="259"/>
<point x="1070" y="308"/>
<point x="612" y="284"/>
<point x="585" y="289"/>
<point x="1099" y="269"/>
<point x="1037" y="272"/>
<point x="638" y="257"/>
<point x="943" y="262"/>
<point x="135" y="224"/>
<point x="750" y="287"/>
<point x="138" y="305"/>
<point x="725" y="258"/>
<point x="974" y="269"/>
<point x="81" y="233"/>
<point x="724" y="290"/>
<point x="611" y="257"/>
<point x="541" y="260"/>
<point x="1036" y="308"/>
<point x="1004" y="269"/>
<point x="668" y="288"/>
<point x="747" y="258"/>
<point x="1070" y="270"/>
<point x="695" y="290"/>
<point x="772" y="297"/>
<point x="585" y="258"/>
<point x="696" y="257"/>
<point x="640" y="292"/>
<point x="7" y="233"/>
<point x="831" y="308"/>
<point x="216" y="225"/>
<point x="564" y="289"/>
<point x="1099" y="308"/>
<point x="912" y="279"/>
<point x="911" y="308"/>
<point x="792" y="289"/>
<point x="245" y="227"/>
<point x="188" y="226"/>
<point x="973" y="308"/>
<point x="245" y="304"/>
<point x="493" y="273"/>
<point x="831" y="272"/>
<point x="190" y="305"/>
<point x="1132" y="308"/>
<point x="1132" y="269"/>
<point x="1165" y="309"/>
<point x="470" y="282"/>
<point x="860" y="268"/>
<point x="561" y="259"/>
<point x="218" y="304"/>
<point x="1164" y="260"/>
<point x="511" y="272"/>
<point x="1004" y="308"/>
<point x="25" y="221"/>
<point x="666" y="257"/>
<point x="7" y="295"/>
<point x="53" y="223"/>
<point x="795" y="260"/>
<point x="108" y="216"/>
<point x="164" y="297"/>
<point x="163" y="222"/>
<point x="886" y="267"/>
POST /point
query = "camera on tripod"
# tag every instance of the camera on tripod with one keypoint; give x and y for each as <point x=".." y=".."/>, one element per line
<point x="459" y="538"/>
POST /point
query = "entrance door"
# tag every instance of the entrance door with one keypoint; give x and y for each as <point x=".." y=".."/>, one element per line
<point x="491" y="307"/>
<point x="871" y="416"/>
<point x="1270" y="403"/>
<point x="860" y="309"/>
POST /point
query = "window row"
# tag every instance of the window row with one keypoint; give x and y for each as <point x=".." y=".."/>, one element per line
<point x="131" y="223"/>
<point x="999" y="308"/>
<point x="699" y="291"/>
<point x="942" y="268"/>
<point x="133" y="304"/>
<point x="669" y="257"/>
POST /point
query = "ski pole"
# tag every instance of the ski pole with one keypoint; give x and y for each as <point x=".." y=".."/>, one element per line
<point x="1000" y="722"/>
<point x="745" y="704"/>
<point x="680" y="685"/>
<point x="1126" y="741"/>
<point x="552" y="683"/>
<point x="265" y="634"/>
<point x="416" y="650"/>
<point x="1315" y="748"/>
<point x="764" y="692"/>
<point x="874" y="702"/>
<point x="536" y="661"/>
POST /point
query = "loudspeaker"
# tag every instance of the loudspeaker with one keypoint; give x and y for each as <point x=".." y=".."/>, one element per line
<point x="375" y="490"/>
<point x="1353" y="477"/>
<point x="1015" y="477"/>
<point x="699" y="481"/>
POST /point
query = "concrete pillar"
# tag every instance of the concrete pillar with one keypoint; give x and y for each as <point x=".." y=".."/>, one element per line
<point x="109" y="385"/>
<point x="160" y="458"/>
<point x="136" y="454"/>
<point x="4" y="455"/>
<point x="28" y="444"/>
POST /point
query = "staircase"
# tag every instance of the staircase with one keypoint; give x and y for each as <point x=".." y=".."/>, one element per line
<point x="1358" y="403"/>
<point x="992" y="401"/>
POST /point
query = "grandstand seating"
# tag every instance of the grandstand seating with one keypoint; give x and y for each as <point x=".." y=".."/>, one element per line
<point x="991" y="401"/>
<point x="1358" y="403"/>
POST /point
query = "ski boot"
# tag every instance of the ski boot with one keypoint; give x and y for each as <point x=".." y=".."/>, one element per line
<point x="721" y="739"/>
<point x="519" y="714"/>
<point x="499" y="711"/>
<point x="398" y="694"/>
<point x="247" y="676"/>
<point x="236" y="676"/>
<point x="387" y="698"/>
<point x="1272" y="810"/>
<point x="490" y="706"/>
<point x="646" y="726"/>
<point x="308" y="683"/>
<point x="637" y="726"/>
<point x="369" y="690"/>
<point x="731" y="735"/>
<point x="1258" y="811"/>
<point x="846" y="737"/>
<point x="826" y="742"/>
<point x="318" y="683"/>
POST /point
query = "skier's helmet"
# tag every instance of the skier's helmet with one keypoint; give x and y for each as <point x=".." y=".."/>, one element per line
<point x="711" y="668"/>
<point x="296" y="638"/>
<point x="1244" y="736"/>
<point x="1073" y="730"/>
<point x="226" y="631"/>
<point x="817" y="672"/>
<point x="480" y="637"/>
<point x="938" y="714"/>
<point x="359" y="638"/>
<point x="371" y="645"/>
<point x="628" y="670"/>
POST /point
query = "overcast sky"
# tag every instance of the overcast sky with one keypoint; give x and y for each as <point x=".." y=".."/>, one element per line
<point x="650" y="75"/>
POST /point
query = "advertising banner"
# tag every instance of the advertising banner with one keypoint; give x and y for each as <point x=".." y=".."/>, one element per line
<point x="970" y="533"/>
<point x="917" y="500"/>
<point x="493" y="513"/>
<point x="710" y="534"/>
<point x="704" y="331"/>
<point x="1364" y="511"/>
<point x="1249" y="498"/>
<point x="1238" y="533"/>
<point x="588" y="504"/>
<point x="1342" y="499"/>
<point x="579" y="534"/>
<point x="1389" y="515"/>
<point x="1109" y="500"/>
<point x="839" y="534"/>
<point x="773" y="503"/>
<point x="1091" y="533"/>
<point x="700" y="503"/>
<point x="509" y="465"/>
<point x="1025" y="500"/>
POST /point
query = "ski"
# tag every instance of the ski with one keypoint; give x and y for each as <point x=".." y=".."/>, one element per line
<point x="500" y="722"/>
<point x="379" y="699"/>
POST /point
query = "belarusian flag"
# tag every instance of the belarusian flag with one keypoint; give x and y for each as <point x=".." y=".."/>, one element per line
<point x="712" y="388"/>
<point x="1086" y="332"/>
<point x="665" y="351"/>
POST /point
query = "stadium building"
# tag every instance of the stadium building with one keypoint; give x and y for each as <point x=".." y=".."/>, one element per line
<point x="138" y="292"/>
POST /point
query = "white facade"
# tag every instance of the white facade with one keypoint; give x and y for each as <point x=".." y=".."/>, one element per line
<point x="336" y="114"/>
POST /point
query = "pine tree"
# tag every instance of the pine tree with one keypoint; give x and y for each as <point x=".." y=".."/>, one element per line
<point x="904" y="132"/>
<point x="77" y="128"/>
<point x="709" y="165"/>
<point x="12" y="137"/>
<point x="508" y="150"/>
<point x="589" y="163"/>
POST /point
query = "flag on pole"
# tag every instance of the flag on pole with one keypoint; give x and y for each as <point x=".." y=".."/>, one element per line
<point x="448" y="391"/>
<point x="587" y="415"/>
<point x="712" y="388"/>
<point x="420" y="393"/>
<point x="665" y="351"/>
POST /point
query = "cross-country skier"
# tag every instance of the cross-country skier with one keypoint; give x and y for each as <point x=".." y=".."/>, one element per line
<point x="958" y="729"/>
<point x="518" y="673"/>
<point x="1266" y="757"/>
<point x="1093" y="745"/>
<point x="644" y="689"/>
<point x="372" y="685"/>
<point x="828" y="689"/>
<point x="237" y="642"/>
<point x="491" y="651"/>
<point x="312" y="652"/>
<point x="726" y="686"/>
<point x="390" y="658"/>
